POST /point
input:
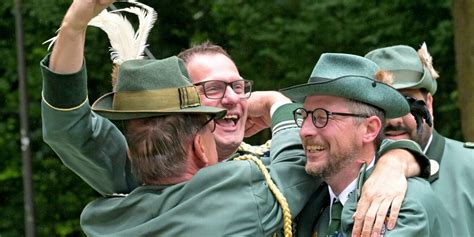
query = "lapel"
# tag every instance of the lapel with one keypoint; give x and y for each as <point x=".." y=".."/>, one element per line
<point x="435" y="152"/>
<point x="312" y="211"/>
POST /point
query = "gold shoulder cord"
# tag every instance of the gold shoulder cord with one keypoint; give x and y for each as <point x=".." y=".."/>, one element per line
<point x="278" y="195"/>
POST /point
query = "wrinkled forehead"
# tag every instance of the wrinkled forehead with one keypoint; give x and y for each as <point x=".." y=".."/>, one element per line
<point x="205" y="67"/>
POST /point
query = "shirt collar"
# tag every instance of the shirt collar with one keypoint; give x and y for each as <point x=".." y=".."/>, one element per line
<point x="428" y="144"/>
<point x="344" y="195"/>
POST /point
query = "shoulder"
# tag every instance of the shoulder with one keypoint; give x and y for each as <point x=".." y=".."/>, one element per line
<point x="419" y="194"/>
<point x="457" y="148"/>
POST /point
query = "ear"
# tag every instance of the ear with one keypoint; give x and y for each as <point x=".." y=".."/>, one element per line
<point x="198" y="149"/>
<point x="372" y="129"/>
<point x="429" y="104"/>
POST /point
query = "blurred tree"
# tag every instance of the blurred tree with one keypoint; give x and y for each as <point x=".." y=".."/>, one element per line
<point x="463" y="14"/>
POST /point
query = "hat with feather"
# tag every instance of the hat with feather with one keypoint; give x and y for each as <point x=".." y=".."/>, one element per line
<point x="144" y="87"/>
<point x="411" y="69"/>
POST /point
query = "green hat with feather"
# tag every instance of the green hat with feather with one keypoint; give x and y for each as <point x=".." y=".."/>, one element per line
<point x="411" y="69"/>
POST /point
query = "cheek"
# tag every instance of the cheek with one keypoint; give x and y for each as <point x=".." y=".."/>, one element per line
<point x="409" y="121"/>
<point x="209" y="102"/>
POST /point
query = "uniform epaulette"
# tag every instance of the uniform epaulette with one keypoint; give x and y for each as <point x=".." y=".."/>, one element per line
<point x="257" y="150"/>
<point x="469" y="145"/>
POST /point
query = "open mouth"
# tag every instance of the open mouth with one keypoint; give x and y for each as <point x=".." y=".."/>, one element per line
<point x="314" y="148"/>
<point x="229" y="120"/>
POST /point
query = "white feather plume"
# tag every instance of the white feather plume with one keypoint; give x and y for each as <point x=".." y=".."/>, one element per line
<point x="427" y="60"/>
<point x="125" y="43"/>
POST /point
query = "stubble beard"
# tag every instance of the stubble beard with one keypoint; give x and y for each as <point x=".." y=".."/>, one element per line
<point x="335" y="164"/>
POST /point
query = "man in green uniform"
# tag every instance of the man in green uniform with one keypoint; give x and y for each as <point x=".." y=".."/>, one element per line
<point x="185" y="190"/>
<point x="345" y="105"/>
<point x="415" y="77"/>
<point x="95" y="149"/>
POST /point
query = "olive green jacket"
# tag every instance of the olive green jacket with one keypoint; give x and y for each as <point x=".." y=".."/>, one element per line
<point x="454" y="183"/>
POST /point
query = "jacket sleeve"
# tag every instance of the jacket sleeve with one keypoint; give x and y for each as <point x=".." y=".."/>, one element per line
<point x="89" y="145"/>
<point x="413" y="148"/>
<point x="421" y="213"/>
<point x="287" y="167"/>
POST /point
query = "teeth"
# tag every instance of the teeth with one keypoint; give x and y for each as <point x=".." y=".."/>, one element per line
<point x="314" y="148"/>
<point x="231" y="116"/>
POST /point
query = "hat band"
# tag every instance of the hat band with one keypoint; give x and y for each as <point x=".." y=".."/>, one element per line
<point x="152" y="100"/>
<point x="316" y="79"/>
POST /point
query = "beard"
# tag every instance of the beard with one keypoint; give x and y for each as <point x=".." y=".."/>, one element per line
<point x="335" y="163"/>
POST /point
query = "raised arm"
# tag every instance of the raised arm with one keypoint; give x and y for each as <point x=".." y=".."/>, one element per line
<point x="68" y="51"/>
<point x="89" y="145"/>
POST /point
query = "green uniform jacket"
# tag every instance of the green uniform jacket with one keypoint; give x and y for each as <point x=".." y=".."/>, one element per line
<point x="454" y="183"/>
<point x="421" y="213"/>
<point x="227" y="199"/>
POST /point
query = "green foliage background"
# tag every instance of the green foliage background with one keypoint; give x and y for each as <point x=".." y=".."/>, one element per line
<point x="275" y="43"/>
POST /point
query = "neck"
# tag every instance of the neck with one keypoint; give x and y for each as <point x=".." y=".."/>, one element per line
<point x="193" y="165"/>
<point x="340" y="180"/>
<point x="174" y="180"/>
<point x="224" y="152"/>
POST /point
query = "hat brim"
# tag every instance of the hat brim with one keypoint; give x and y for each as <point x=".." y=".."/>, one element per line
<point x="103" y="107"/>
<point x="407" y="79"/>
<point x="356" y="88"/>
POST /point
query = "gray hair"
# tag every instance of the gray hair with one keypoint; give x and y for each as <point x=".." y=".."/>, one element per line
<point x="159" y="146"/>
<point x="370" y="110"/>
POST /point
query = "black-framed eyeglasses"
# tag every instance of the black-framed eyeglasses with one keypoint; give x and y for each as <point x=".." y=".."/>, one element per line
<point x="210" y="122"/>
<point x="320" y="116"/>
<point x="215" y="89"/>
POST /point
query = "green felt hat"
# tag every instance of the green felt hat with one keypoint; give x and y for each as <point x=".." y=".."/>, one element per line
<point x="405" y="64"/>
<point x="352" y="77"/>
<point x="148" y="88"/>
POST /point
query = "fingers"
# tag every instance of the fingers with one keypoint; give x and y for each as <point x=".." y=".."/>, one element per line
<point x="394" y="211"/>
<point x="381" y="218"/>
<point x="374" y="220"/>
<point x="370" y="217"/>
<point x="362" y="207"/>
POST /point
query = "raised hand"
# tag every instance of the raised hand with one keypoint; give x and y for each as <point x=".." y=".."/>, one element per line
<point x="260" y="104"/>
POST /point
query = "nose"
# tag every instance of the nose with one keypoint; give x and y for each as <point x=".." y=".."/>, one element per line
<point x="230" y="97"/>
<point x="307" y="128"/>
<point x="395" y="122"/>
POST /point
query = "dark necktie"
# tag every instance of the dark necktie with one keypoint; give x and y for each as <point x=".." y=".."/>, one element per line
<point x="335" y="223"/>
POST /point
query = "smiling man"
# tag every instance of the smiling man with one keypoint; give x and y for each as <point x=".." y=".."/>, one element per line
<point x="219" y="81"/>
<point x="415" y="78"/>
<point x="345" y="106"/>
